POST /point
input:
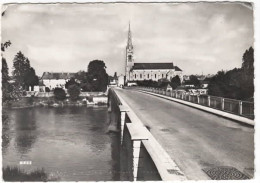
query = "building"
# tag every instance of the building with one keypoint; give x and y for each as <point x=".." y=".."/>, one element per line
<point x="113" y="81"/>
<point x="121" y="80"/>
<point x="147" y="71"/>
<point x="56" y="79"/>
<point x="39" y="88"/>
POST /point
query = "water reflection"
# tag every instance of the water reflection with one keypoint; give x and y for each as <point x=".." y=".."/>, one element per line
<point x="26" y="133"/>
<point x="6" y="138"/>
<point x="69" y="142"/>
<point x="115" y="155"/>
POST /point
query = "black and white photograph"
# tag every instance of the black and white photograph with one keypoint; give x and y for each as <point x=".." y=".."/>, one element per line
<point x="128" y="91"/>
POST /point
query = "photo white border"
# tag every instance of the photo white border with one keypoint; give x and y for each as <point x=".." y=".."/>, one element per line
<point x="256" y="7"/>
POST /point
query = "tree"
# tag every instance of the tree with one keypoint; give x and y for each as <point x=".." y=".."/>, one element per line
<point x="5" y="45"/>
<point x="72" y="81"/>
<point x="74" y="91"/>
<point x="59" y="93"/>
<point x="175" y="82"/>
<point x="97" y="76"/>
<point x="248" y="72"/>
<point x="248" y="60"/>
<point x="163" y="82"/>
<point x="230" y="84"/>
<point x="194" y="80"/>
<point x="6" y="87"/>
<point x="30" y="78"/>
<point x="23" y="73"/>
<point x="5" y="81"/>
<point x="21" y="65"/>
<point x="47" y="89"/>
<point x="81" y="76"/>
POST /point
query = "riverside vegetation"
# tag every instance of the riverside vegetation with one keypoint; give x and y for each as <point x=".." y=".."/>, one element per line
<point x="14" y="174"/>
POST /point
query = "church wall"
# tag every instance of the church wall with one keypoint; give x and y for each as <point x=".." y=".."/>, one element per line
<point x="155" y="75"/>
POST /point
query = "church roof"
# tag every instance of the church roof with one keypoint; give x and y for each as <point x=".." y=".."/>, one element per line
<point x="151" y="66"/>
<point x="57" y="75"/>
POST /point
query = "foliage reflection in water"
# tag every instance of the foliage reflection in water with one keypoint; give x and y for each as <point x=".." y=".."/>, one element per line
<point x="70" y="143"/>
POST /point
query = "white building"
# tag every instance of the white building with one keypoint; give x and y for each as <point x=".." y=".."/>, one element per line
<point x="147" y="71"/>
<point x="121" y="80"/>
<point x="56" y="79"/>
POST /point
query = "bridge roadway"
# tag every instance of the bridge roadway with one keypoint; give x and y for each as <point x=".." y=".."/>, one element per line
<point x="194" y="139"/>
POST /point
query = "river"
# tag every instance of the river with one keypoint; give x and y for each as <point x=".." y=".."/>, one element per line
<point x="70" y="143"/>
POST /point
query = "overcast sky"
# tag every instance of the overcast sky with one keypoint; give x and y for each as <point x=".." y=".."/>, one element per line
<point x="197" y="37"/>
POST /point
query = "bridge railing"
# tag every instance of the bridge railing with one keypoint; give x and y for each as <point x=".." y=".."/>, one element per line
<point x="238" y="107"/>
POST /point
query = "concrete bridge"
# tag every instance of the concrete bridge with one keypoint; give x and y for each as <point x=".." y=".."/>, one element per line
<point x="166" y="140"/>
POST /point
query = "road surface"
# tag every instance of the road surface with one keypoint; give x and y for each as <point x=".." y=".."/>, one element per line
<point x="194" y="139"/>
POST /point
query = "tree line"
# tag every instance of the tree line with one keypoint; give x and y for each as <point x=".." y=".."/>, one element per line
<point x="237" y="83"/>
<point x="24" y="76"/>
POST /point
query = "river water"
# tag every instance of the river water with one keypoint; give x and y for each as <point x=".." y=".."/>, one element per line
<point x="70" y="143"/>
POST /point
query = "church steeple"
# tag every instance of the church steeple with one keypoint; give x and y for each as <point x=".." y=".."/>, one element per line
<point x="129" y="41"/>
<point x="129" y="55"/>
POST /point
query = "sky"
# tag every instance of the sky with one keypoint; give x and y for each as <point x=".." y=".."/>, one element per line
<point x="197" y="37"/>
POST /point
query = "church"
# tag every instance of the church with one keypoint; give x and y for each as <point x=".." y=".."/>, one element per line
<point x="147" y="71"/>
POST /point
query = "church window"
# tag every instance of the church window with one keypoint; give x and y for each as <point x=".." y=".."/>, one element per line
<point x="162" y="75"/>
<point x="130" y="58"/>
<point x="148" y="76"/>
<point x="140" y="76"/>
<point x="154" y="75"/>
<point x="135" y="76"/>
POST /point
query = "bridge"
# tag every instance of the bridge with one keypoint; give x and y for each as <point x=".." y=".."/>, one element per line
<point x="180" y="141"/>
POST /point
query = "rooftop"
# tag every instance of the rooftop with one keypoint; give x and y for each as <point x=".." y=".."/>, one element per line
<point x="151" y="66"/>
<point x="57" y="75"/>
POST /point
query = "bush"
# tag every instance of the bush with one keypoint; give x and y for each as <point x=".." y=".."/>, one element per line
<point x="59" y="93"/>
<point x="74" y="92"/>
<point x="89" y="98"/>
<point x="47" y="89"/>
<point x="147" y="83"/>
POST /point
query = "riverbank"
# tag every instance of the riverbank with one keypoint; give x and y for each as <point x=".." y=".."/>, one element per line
<point x="29" y="102"/>
<point x="14" y="174"/>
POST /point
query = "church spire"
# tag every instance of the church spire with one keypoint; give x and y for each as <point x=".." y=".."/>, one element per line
<point x="129" y="41"/>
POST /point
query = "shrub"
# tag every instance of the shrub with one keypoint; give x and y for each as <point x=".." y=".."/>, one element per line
<point x="47" y="89"/>
<point x="89" y="98"/>
<point x="59" y="93"/>
<point x="74" y="91"/>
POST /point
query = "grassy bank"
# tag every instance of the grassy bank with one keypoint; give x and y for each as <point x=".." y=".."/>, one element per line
<point x="15" y="174"/>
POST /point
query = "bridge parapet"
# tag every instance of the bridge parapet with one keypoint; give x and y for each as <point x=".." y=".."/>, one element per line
<point x="145" y="151"/>
<point x="242" y="111"/>
<point x="238" y="107"/>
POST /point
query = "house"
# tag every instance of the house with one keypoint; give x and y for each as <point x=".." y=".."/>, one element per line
<point x="56" y="79"/>
<point x="40" y="87"/>
<point x="121" y="80"/>
<point x="113" y="81"/>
